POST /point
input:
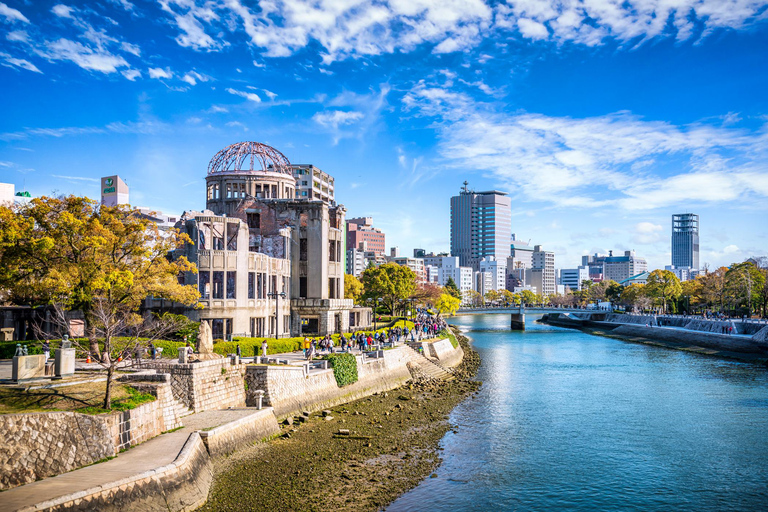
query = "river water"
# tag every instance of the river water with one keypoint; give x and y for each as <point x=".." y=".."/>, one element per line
<point x="569" y="421"/>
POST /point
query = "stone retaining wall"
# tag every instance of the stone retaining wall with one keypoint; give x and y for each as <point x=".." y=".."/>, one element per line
<point x="179" y="487"/>
<point x="289" y="391"/>
<point x="39" y="445"/>
<point x="227" y="438"/>
<point x="205" y="385"/>
<point x="445" y="353"/>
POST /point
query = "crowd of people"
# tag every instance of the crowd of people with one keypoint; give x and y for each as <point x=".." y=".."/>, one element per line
<point x="425" y="326"/>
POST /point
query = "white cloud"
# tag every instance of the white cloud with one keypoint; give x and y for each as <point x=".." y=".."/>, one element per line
<point x="248" y="95"/>
<point x="352" y="28"/>
<point x="532" y="29"/>
<point x="62" y="11"/>
<point x="144" y="127"/>
<point x="130" y="48"/>
<point x="75" y="178"/>
<point x="648" y="233"/>
<point x="193" y="77"/>
<point x="190" y="23"/>
<point x="271" y="95"/>
<point x="18" y="35"/>
<point x="160" y="73"/>
<point x="349" y="28"/>
<point x="92" y="59"/>
<point x="336" y="118"/>
<point x="10" y="61"/>
<point x="592" y="162"/>
<point x="217" y="110"/>
<point x="131" y="74"/>
<point x="11" y="15"/>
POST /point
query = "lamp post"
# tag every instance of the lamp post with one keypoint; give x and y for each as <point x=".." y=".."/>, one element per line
<point x="277" y="297"/>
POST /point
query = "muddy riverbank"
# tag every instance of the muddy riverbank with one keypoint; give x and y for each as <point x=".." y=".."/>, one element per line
<point x="392" y="445"/>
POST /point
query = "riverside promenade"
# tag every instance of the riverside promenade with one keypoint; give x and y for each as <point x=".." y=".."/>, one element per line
<point x="174" y="470"/>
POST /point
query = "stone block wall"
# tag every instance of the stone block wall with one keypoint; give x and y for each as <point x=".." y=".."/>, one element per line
<point x="206" y="385"/>
<point x="289" y="391"/>
<point x="444" y="352"/>
<point x="40" y="445"/>
<point x="129" y="428"/>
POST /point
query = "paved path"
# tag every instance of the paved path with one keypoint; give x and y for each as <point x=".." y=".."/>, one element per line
<point x="159" y="451"/>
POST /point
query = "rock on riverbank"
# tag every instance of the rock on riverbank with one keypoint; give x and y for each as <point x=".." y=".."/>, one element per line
<point x="391" y="446"/>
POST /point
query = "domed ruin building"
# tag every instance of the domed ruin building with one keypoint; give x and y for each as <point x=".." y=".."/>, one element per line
<point x="269" y="264"/>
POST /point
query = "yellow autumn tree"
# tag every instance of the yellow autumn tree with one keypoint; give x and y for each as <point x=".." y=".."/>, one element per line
<point x="104" y="261"/>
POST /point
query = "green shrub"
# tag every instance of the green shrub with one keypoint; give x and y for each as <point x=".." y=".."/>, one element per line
<point x="344" y="368"/>
<point x="252" y="346"/>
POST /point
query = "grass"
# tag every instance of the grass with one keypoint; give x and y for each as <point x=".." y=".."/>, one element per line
<point x="86" y="398"/>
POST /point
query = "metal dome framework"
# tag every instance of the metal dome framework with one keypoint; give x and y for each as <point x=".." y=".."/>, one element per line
<point x="249" y="157"/>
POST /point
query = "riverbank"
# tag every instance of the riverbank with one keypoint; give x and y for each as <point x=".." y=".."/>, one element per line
<point x="748" y="348"/>
<point x="761" y="359"/>
<point x="392" y="445"/>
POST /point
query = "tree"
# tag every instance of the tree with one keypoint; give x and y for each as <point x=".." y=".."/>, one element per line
<point x="631" y="295"/>
<point x="613" y="291"/>
<point x="101" y="260"/>
<point x="744" y="285"/>
<point x="692" y="292"/>
<point x="492" y="296"/>
<point x="509" y="298"/>
<point x="353" y="288"/>
<point x="451" y="288"/>
<point x="528" y="297"/>
<point x="473" y="297"/>
<point x="663" y="285"/>
<point x="390" y="282"/>
<point x="427" y="294"/>
<point x="713" y="287"/>
<point x="447" y="304"/>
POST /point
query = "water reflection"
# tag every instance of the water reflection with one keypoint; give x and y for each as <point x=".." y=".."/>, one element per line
<point x="569" y="421"/>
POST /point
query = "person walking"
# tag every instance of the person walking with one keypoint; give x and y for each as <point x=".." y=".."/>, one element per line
<point x="47" y="350"/>
<point x="264" y="348"/>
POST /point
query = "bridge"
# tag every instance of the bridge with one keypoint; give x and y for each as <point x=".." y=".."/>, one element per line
<point x="517" y="313"/>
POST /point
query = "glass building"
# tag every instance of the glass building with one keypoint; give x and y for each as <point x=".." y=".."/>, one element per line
<point x="685" y="240"/>
<point x="481" y="225"/>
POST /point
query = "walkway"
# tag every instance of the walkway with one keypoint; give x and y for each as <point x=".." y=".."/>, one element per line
<point x="155" y="453"/>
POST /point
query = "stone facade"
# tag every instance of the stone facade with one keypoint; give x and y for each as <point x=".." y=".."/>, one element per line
<point x="44" y="444"/>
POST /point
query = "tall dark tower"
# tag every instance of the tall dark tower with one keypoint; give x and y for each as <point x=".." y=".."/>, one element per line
<point x="685" y="240"/>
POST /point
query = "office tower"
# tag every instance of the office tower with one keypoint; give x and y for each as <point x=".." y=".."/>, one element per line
<point x="481" y="225"/>
<point x="361" y="230"/>
<point x="685" y="240"/>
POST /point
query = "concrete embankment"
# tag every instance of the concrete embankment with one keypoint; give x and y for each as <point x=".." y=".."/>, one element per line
<point x="744" y="340"/>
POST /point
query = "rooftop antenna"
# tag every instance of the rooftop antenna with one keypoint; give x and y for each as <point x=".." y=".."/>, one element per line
<point x="465" y="186"/>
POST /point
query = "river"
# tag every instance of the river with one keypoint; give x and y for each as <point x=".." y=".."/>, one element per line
<point x="570" y="421"/>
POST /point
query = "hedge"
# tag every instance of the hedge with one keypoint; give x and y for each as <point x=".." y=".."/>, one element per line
<point x="344" y="368"/>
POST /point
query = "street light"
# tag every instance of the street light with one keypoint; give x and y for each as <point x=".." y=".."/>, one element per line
<point x="277" y="297"/>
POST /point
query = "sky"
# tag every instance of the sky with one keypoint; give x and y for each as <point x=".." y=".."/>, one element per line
<point x="600" y="118"/>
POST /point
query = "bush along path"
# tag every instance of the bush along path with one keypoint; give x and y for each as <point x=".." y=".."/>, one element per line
<point x="356" y="457"/>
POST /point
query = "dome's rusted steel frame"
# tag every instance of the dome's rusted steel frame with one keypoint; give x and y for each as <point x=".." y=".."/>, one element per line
<point x="233" y="157"/>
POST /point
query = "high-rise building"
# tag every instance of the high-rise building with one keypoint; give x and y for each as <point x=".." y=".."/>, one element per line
<point x="313" y="184"/>
<point x="361" y="230"/>
<point x="481" y="225"/>
<point x="543" y="268"/>
<point x="685" y="240"/>
<point x="356" y="262"/>
<point x="114" y="191"/>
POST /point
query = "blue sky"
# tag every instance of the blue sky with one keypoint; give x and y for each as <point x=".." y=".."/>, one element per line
<point x="600" y="118"/>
